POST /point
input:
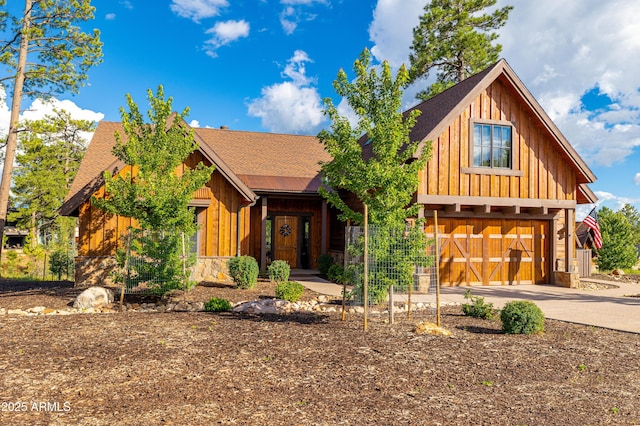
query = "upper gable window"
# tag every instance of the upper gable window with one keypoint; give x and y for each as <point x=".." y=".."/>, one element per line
<point x="492" y="146"/>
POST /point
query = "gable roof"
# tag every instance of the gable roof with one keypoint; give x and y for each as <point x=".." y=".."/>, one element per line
<point x="250" y="161"/>
<point x="270" y="162"/>
<point x="438" y="112"/>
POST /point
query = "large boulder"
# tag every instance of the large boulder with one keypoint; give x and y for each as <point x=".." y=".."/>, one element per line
<point x="93" y="297"/>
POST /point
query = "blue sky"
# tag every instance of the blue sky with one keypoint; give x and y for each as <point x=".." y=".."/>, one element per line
<point x="265" y="65"/>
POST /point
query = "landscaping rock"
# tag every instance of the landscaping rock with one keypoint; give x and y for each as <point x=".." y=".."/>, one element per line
<point x="93" y="297"/>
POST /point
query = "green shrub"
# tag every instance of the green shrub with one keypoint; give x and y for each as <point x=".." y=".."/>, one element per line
<point x="478" y="308"/>
<point x="522" y="317"/>
<point x="279" y="271"/>
<point x="216" y="304"/>
<point x="289" y="290"/>
<point x="60" y="262"/>
<point x="324" y="263"/>
<point x="336" y="273"/>
<point x="244" y="271"/>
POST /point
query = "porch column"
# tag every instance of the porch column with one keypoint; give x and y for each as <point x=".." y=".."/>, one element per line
<point x="568" y="241"/>
<point x="263" y="234"/>
<point x="323" y="229"/>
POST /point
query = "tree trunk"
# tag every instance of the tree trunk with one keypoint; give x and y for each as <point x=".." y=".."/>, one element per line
<point x="12" y="137"/>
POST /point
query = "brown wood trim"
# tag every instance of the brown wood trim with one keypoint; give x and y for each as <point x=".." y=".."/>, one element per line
<point x="323" y="228"/>
<point x="263" y="234"/>
<point x="197" y="202"/>
<point x="445" y="200"/>
<point x="491" y="171"/>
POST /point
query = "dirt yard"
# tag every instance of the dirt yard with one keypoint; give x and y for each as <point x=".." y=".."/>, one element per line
<point x="186" y="368"/>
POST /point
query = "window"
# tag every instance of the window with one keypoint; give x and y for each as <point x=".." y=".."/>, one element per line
<point x="491" y="146"/>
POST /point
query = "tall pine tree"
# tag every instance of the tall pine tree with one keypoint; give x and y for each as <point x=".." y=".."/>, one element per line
<point x="456" y="40"/>
<point x="48" y="159"/>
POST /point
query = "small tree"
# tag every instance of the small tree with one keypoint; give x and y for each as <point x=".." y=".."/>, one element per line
<point x="387" y="179"/>
<point x="153" y="193"/>
<point x="378" y="163"/>
<point x="618" y="249"/>
<point x="454" y="38"/>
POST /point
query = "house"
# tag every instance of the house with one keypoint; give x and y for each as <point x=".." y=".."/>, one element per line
<point x="264" y="185"/>
<point x="504" y="181"/>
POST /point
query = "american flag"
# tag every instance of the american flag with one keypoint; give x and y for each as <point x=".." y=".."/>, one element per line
<point x="592" y="222"/>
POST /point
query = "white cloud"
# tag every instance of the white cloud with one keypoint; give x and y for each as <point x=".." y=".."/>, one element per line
<point x="391" y="30"/>
<point x="295" y="12"/>
<point x="39" y="109"/>
<point x="110" y="16"/>
<point x="292" y="106"/>
<point x="225" y="33"/>
<point x="561" y="50"/>
<point x="636" y="179"/>
<point x="197" y="9"/>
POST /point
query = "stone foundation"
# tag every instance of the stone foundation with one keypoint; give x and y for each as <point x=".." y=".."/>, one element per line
<point x="212" y="269"/>
<point x="96" y="271"/>
<point x="566" y="279"/>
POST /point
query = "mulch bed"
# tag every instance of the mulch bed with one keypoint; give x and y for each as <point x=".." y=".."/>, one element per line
<point x="304" y="368"/>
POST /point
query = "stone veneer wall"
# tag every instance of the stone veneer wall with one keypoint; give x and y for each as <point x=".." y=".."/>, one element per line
<point x="96" y="271"/>
<point x="567" y="279"/>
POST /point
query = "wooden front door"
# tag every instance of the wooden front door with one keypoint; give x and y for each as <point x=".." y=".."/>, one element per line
<point x="285" y="241"/>
<point x="493" y="251"/>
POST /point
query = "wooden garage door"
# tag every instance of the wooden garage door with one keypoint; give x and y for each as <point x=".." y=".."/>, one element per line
<point x="493" y="251"/>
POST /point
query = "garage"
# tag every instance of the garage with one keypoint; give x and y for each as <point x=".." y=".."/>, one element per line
<point x="493" y="251"/>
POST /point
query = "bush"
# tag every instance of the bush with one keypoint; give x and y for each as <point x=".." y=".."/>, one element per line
<point x="336" y="273"/>
<point x="279" y="271"/>
<point x="60" y="262"/>
<point x="522" y="317"/>
<point x="244" y="271"/>
<point x="216" y="304"/>
<point x="324" y="263"/>
<point x="478" y="308"/>
<point x="289" y="290"/>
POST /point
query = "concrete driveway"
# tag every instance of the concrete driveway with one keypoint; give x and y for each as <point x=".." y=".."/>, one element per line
<point x="614" y="308"/>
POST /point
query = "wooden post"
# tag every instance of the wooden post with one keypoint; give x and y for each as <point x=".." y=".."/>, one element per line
<point x="344" y="265"/>
<point x="437" y="264"/>
<point x="391" y="318"/>
<point x="184" y="268"/>
<point x="125" y="276"/>
<point x="365" y="283"/>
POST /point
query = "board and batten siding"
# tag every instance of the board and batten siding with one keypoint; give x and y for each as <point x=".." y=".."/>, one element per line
<point x="100" y="232"/>
<point x="545" y="172"/>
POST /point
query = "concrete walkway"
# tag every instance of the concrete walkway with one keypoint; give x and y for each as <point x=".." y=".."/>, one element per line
<point x="614" y="308"/>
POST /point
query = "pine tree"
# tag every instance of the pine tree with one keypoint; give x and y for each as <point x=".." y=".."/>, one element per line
<point x="50" y="151"/>
<point x="45" y="52"/>
<point x="456" y="40"/>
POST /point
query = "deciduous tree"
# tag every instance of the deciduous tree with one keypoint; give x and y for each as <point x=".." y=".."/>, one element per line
<point x="386" y="179"/>
<point x="45" y="53"/>
<point x="377" y="162"/>
<point x="155" y="194"/>
<point x="618" y="249"/>
<point x="455" y="38"/>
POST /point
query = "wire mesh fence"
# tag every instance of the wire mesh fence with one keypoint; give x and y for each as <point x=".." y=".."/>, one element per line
<point x="154" y="262"/>
<point x="399" y="259"/>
